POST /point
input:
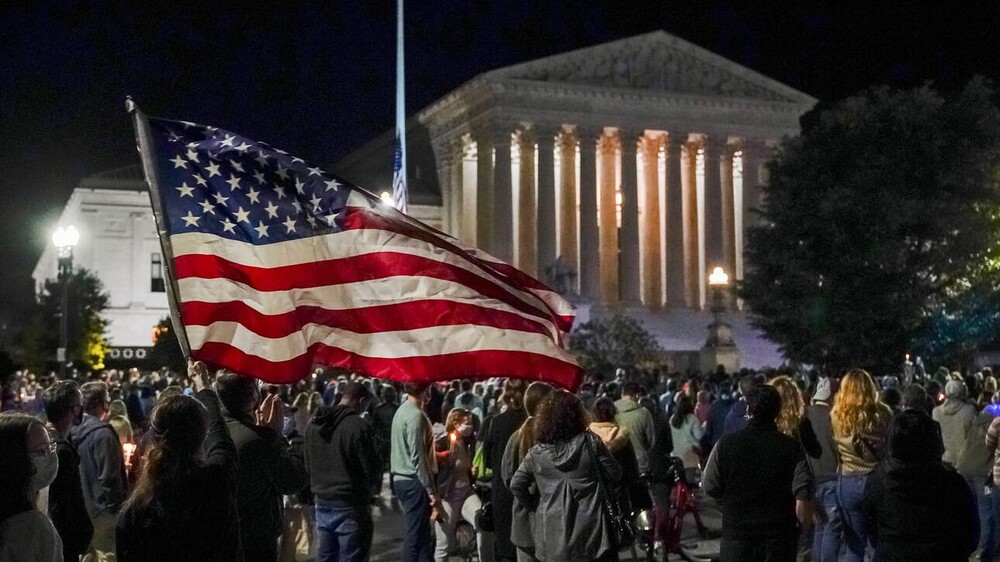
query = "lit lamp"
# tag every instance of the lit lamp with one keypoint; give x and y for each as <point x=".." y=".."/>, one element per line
<point x="386" y="198"/>
<point x="64" y="239"/>
<point x="719" y="348"/>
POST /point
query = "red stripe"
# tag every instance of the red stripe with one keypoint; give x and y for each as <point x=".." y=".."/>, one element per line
<point x="471" y="364"/>
<point x="365" y="267"/>
<point x="426" y="313"/>
<point x="357" y="218"/>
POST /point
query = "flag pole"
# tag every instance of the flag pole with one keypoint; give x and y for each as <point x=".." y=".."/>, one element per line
<point x="399" y="173"/>
<point x="144" y="142"/>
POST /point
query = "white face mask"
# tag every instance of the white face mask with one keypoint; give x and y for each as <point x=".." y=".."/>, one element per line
<point x="46" y="467"/>
<point x="465" y="430"/>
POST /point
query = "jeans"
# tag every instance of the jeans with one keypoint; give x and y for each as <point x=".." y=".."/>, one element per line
<point x="850" y="494"/>
<point x="826" y="535"/>
<point x="418" y="533"/>
<point x="989" y="516"/>
<point x="344" y="532"/>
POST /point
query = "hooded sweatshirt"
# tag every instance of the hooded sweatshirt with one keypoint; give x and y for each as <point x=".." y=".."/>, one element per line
<point x="342" y="457"/>
<point x="642" y="431"/>
<point x="955" y="418"/>
<point x="102" y="466"/>
<point x="613" y="435"/>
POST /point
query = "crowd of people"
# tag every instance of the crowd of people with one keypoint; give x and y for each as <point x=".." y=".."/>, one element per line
<point x="216" y="466"/>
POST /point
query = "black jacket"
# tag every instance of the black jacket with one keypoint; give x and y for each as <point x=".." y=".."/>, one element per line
<point x="494" y="436"/>
<point x="67" y="509"/>
<point x="659" y="455"/>
<point x="341" y="457"/>
<point x="198" y="521"/>
<point x="757" y="474"/>
<point x="269" y="468"/>
<point x="920" y="512"/>
<point x="102" y="466"/>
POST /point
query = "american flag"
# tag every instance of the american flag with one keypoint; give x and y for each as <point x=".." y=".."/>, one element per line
<point x="398" y="176"/>
<point x="279" y="265"/>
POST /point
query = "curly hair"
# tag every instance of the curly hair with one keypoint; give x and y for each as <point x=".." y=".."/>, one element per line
<point x="561" y="417"/>
<point x="792" y="406"/>
<point x="856" y="407"/>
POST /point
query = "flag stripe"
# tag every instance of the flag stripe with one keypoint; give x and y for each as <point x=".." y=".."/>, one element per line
<point x="373" y="319"/>
<point x="435" y="340"/>
<point x="365" y="267"/>
<point x="468" y="364"/>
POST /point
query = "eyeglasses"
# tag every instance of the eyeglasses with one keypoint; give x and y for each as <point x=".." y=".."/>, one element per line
<point x="49" y="449"/>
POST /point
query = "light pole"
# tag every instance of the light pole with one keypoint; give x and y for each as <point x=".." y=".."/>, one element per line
<point x="719" y="348"/>
<point x="64" y="240"/>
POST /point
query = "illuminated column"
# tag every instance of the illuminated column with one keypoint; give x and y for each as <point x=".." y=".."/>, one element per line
<point x="753" y="155"/>
<point x="546" y="200"/>
<point x="484" y="190"/>
<point x="589" y="241"/>
<point x="675" y="219"/>
<point x="568" y="218"/>
<point x="456" y="184"/>
<point x="651" y="221"/>
<point x="629" y="270"/>
<point x="503" y="209"/>
<point x="714" y="147"/>
<point x="608" y="219"/>
<point x="527" y="231"/>
<point x="728" y="210"/>
<point x="445" y="162"/>
<point x="689" y="212"/>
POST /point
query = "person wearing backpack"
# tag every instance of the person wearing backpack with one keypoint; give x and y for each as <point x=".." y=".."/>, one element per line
<point x="975" y="464"/>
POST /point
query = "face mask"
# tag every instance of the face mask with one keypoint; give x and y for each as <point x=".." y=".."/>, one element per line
<point x="46" y="468"/>
<point x="465" y="430"/>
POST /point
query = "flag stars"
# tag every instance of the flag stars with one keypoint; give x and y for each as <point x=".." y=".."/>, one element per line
<point x="220" y="199"/>
<point x="331" y="219"/>
<point x="261" y="229"/>
<point x="228" y="141"/>
<point x="289" y="224"/>
<point x="282" y="172"/>
<point x="272" y="210"/>
<point x="186" y="191"/>
<point x="297" y="205"/>
<point x="228" y="226"/>
<point x="237" y="166"/>
<point x="333" y="184"/>
<point x="192" y="155"/>
<point x="315" y="171"/>
<point x="207" y="207"/>
<point x="200" y="180"/>
<point x="261" y="159"/>
<point x="259" y="176"/>
<point x="280" y="191"/>
<point x="191" y="219"/>
<point x="213" y="170"/>
<point x="178" y="162"/>
<point x="242" y="216"/>
<point x="243" y="147"/>
<point x="253" y="195"/>
<point x="234" y="183"/>
<point x="315" y="201"/>
<point x="300" y="186"/>
<point x="311" y="220"/>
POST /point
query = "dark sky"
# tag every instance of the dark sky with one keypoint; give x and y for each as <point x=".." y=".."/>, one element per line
<point x="316" y="78"/>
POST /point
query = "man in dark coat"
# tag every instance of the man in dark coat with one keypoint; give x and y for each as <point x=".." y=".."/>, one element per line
<point x="495" y="434"/>
<point x="917" y="508"/>
<point x="344" y="470"/>
<point x="736" y="419"/>
<point x="269" y="466"/>
<point x="102" y="468"/>
<point x="67" y="509"/>
<point x="762" y="481"/>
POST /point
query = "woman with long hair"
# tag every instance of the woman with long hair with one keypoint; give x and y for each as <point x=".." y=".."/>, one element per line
<point x="517" y="447"/>
<point x="792" y="420"/>
<point x="454" y="480"/>
<point x="860" y="430"/>
<point x="568" y="475"/>
<point x="616" y="439"/>
<point x="686" y="432"/>
<point x="28" y="464"/>
<point x="183" y="506"/>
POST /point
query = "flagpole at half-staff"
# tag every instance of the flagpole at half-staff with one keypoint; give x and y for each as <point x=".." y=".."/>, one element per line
<point x="143" y="139"/>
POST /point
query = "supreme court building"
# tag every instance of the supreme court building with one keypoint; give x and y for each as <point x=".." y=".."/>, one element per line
<point x="622" y="173"/>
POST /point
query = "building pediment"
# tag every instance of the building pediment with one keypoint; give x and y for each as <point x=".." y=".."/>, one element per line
<point x="654" y="61"/>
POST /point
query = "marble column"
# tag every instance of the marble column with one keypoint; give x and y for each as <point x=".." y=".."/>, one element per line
<point x="456" y="182"/>
<point x="652" y="254"/>
<point x="608" y="219"/>
<point x="589" y="240"/>
<point x="484" y="190"/>
<point x="753" y="154"/>
<point x="546" y="256"/>
<point x="728" y="211"/>
<point x="527" y="212"/>
<point x="629" y="270"/>
<point x="692" y="268"/>
<point x="445" y="162"/>
<point x="568" y="212"/>
<point x="713" y="148"/>
<point x="674" y="147"/>
<point x="503" y="207"/>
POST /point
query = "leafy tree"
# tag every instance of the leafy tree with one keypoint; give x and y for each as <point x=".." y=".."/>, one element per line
<point x="605" y="344"/>
<point x="86" y="326"/>
<point x="166" y="351"/>
<point x="880" y="231"/>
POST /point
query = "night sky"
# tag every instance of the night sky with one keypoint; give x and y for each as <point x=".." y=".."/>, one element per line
<point x="317" y="78"/>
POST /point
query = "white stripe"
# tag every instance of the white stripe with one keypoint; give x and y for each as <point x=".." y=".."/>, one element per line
<point x="386" y="291"/>
<point x="337" y="245"/>
<point x="424" y="342"/>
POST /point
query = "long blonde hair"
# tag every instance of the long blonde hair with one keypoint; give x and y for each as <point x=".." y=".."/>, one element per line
<point x="792" y="406"/>
<point x="856" y="407"/>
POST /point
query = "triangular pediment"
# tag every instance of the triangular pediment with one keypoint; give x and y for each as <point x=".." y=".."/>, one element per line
<point x="654" y="61"/>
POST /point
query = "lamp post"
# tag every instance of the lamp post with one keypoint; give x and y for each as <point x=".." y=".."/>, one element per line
<point x="719" y="348"/>
<point x="64" y="239"/>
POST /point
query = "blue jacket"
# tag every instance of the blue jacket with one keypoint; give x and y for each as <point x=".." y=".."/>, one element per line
<point x="737" y="418"/>
<point x="102" y="466"/>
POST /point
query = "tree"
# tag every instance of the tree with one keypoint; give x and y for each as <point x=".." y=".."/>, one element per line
<point x="166" y="350"/>
<point x="87" y="344"/>
<point x="880" y="230"/>
<point x="603" y="345"/>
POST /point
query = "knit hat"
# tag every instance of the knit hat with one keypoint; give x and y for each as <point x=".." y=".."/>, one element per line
<point x="954" y="389"/>
<point x="823" y="389"/>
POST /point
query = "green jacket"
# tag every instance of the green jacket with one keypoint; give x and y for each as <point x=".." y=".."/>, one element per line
<point x="642" y="432"/>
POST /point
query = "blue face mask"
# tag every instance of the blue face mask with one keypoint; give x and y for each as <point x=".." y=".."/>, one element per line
<point x="46" y="467"/>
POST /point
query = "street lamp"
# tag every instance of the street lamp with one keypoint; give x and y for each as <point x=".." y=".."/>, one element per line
<point x="719" y="349"/>
<point x="386" y="198"/>
<point x="64" y="240"/>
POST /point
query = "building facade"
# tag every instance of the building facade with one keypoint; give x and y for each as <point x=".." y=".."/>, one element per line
<point x="118" y="243"/>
